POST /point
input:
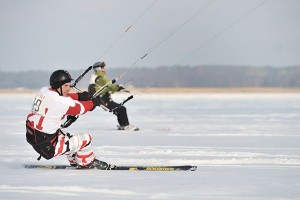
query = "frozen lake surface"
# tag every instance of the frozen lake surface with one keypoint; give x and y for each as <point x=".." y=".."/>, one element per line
<point x="246" y="146"/>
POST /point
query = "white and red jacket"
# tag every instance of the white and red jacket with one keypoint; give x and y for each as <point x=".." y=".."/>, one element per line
<point x="50" y="109"/>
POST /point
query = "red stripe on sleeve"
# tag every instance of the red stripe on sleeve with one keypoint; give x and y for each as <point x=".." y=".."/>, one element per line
<point x="88" y="105"/>
<point x="74" y="96"/>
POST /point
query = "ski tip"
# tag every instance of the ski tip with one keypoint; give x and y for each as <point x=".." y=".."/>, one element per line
<point x="193" y="168"/>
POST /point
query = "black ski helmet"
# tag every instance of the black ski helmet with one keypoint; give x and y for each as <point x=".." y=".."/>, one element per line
<point x="98" y="65"/>
<point x="59" y="77"/>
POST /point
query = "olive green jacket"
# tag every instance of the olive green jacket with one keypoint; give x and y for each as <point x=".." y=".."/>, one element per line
<point x="101" y="80"/>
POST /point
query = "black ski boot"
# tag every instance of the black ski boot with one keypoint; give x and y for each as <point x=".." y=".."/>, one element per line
<point x="97" y="164"/>
<point x="103" y="165"/>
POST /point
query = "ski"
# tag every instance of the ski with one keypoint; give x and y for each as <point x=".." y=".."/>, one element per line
<point x="129" y="168"/>
<point x="158" y="168"/>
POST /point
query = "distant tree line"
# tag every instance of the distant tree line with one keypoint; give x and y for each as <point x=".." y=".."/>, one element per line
<point x="181" y="76"/>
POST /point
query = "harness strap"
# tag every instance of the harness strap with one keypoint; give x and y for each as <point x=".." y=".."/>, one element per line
<point x="39" y="158"/>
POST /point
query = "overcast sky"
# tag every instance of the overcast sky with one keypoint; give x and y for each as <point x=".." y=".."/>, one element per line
<point x="73" y="34"/>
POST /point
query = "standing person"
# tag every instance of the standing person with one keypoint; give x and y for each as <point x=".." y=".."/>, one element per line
<point x="97" y="81"/>
<point x="49" y="111"/>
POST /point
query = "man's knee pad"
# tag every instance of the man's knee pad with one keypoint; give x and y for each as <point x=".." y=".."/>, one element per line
<point x="79" y="142"/>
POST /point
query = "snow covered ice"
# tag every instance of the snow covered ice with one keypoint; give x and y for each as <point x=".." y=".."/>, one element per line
<point x="246" y="146"/>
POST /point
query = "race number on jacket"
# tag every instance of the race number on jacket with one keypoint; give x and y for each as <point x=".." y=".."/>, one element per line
<point x="49" y="110"/>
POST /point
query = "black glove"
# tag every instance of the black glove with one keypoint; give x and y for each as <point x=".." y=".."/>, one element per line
<point x="96" y="101"/>
<point x="70" y="120"/>
<point x="84" y="96"/>
<point x="121" y="87"/>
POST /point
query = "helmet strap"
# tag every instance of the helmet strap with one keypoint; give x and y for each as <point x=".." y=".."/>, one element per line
<point x="57" y="90"/>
